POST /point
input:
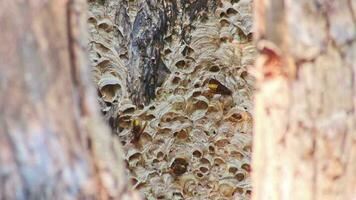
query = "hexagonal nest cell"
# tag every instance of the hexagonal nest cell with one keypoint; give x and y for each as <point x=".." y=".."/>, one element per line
<point x="193" y="140"/>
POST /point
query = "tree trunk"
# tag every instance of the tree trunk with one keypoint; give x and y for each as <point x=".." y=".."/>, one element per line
<point x="53" y="142"/>
<point x="305" y="118"/>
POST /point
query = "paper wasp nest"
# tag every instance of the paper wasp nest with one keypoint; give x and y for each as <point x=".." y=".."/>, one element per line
<point x="193" y="141"/>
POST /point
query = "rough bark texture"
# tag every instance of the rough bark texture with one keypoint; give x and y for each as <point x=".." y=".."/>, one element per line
<point x="53" y="142"/>
<point x="141" y="29"/>
<point x="305" y="117"/>
<point x="147" y="38"/>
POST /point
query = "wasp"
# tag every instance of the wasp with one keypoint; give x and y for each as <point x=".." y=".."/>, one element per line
<point x="218" y="88"/>
<point x="137" y="129"/>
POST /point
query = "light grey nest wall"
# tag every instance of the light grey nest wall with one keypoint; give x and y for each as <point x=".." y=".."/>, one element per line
<point x="180" y="70"/>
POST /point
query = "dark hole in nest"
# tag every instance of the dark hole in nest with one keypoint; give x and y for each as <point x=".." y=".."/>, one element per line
<point x="182" y="135"/>
<point x="187" y="51"/>
<point x="180" y="64"/>
<point x="239" y="190"/>
<point x="108" y="103"/>
<point x="232" y="170"/>
<point x="247" y="148"/>
<point x="203" y="169"/>
<point x="140" y="106"/>
<point x="201" y="105"/>
<point x="178" y="194"/>
<point x="246" y="167"/>
<point x="222" y="14"/>
<point x="224" y="22"/>
<point x="214" y="68"/>
<point x="197" y="93"/>
<point x="179" y="166"/>
<point x="129" y="110"/>
<point x="148" y="117"/>
<point x="133" y="181"/>
<point x="91" y="20"/>
<point x="224" y="39"/>
<point x="218" y="161"/>
<point x="168" y="39"/>
<point x="135" y="156"/>
<point x="197" y="154"/>
<point x="204" y="161"/>
<point x="231" y="11"/>
<point x="175" y="80"/>
<point x="123" y="56"/>
<point x="211" y="149"/>
<point x="237" y="155"/>
<point x="240" y="176"/>
<point x="237" y="116"/>
<point x="167" y="51"/>
<point x="104" y="26"/>
<point x="244" y="74"/>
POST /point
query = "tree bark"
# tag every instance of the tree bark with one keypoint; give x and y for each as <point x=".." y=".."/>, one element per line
<point x="142" y="35"/>
<point x="155" y="18"/>
<point x="53" y="143"/>
<point x="305" y="118"/>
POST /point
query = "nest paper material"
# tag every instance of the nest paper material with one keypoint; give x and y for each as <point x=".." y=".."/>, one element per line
<point x="193" y="141"/>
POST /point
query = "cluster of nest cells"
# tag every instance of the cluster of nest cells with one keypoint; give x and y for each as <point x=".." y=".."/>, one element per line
<point x="193" y="141"/>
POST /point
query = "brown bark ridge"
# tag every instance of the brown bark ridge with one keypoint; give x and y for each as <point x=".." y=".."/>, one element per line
<point x="148" y="36"/>
<point x="53" y="144"/>
<point x="141" y="30"/>
<point x="305" y="118"/>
